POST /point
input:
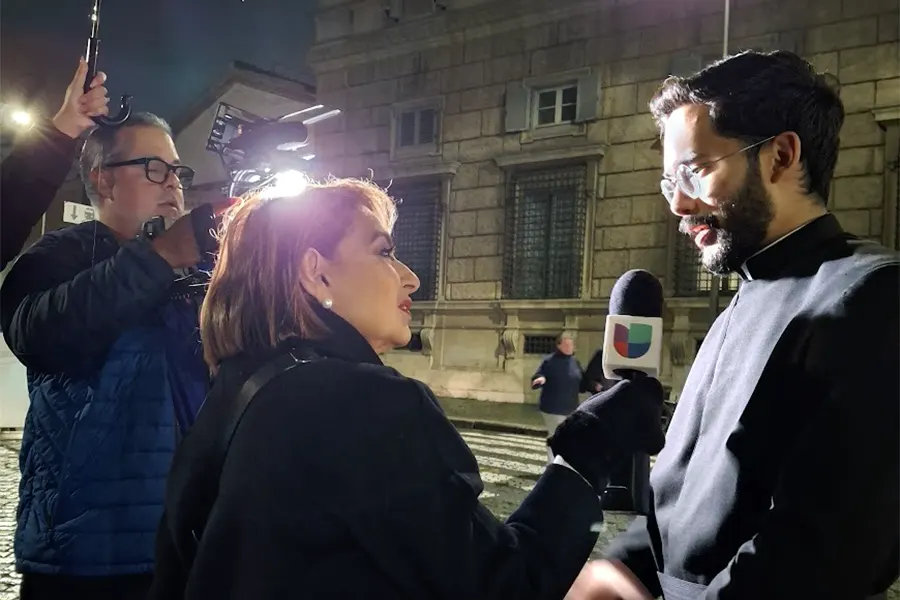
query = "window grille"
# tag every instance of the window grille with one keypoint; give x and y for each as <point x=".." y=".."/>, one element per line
<point x="691" y="279"/>
<point x="546" y="212"/>
<point x="417" y="233"/>
<point x="539" y="344"/>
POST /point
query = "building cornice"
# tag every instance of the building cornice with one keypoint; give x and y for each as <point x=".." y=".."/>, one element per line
<point x="886" y="115"/>
<point x="592" y="306"/>
<point x="407" y="170"/>
<point x="519" y="159"/>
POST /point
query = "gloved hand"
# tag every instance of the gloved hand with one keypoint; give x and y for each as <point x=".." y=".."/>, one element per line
<point x="610" y="427"/>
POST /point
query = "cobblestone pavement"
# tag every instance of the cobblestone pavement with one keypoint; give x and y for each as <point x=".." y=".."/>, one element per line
<point x="510" y="466"/>
<point x="9" y="496"/>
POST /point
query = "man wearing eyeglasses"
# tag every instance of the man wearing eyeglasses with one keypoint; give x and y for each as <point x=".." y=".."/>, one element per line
<point x="780" y="476"/>
<point x="108" y="332"/>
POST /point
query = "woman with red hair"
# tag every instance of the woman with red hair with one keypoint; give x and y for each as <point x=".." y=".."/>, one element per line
<point x="343" y="478"/>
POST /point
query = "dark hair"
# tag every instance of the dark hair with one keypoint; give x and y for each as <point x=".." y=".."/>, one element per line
<point x="100" y="147"/>
<point x="755" y="95"/>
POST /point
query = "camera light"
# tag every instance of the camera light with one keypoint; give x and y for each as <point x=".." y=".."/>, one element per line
<point x="285" y="184"/>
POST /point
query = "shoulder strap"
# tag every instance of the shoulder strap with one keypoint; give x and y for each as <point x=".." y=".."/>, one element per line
<point x="237" y="407"/>
<point x="263" y="376"/>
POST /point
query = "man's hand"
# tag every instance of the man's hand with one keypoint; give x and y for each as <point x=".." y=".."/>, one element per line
<point x="177" y="244"/>
<point x="74" y="116"/>
<point x="607" y="580"/>
<point x="538" y="382"/>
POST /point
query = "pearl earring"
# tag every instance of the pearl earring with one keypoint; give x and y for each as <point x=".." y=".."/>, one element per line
<point x="327" y="303"/>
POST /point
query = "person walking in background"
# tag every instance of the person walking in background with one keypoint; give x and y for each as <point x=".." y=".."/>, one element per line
<point x="594" y="380"/>
<point x="560" y="377"/>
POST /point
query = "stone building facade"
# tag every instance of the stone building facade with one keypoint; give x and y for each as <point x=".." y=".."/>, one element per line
<point x="517" y="135"/>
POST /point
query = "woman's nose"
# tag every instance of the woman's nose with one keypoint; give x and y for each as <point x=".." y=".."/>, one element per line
<point x="408" y="279"/>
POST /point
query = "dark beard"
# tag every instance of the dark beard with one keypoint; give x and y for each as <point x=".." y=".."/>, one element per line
<point x="740" y="224"/>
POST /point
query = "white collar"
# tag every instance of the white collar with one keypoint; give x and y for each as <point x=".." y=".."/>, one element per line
<point x="746" y="271"/>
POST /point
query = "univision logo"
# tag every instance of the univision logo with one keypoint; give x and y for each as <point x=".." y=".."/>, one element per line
<point x="632" y="341"/>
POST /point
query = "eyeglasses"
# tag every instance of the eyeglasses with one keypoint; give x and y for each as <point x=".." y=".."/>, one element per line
<point x="688" y="180"/>
<point x="157" y="170"/>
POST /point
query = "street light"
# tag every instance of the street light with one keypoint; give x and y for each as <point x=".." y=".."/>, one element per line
<point x="15" y="120"/>
<point x="21" y="118"/>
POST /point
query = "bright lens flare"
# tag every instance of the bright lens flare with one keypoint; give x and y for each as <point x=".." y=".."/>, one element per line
<point x="285" y="184"/>
<point x="20" y="117"/>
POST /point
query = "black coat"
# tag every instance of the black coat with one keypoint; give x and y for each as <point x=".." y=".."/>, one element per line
<point x="346" y="480"/>
<point x="780" y="478"/>
<point x="29" y="179"/>
<point x="559" y="394"/>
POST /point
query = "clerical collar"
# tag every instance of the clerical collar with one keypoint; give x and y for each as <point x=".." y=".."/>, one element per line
<point x="775" y="258"/>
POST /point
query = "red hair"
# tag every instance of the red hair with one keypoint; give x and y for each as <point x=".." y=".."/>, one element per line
<point x="254" y="298"/>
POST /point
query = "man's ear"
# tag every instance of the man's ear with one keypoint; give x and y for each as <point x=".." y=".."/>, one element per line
<point x="786" y="152"/>
<point x="102" y="181"/>
<point x="314" y="274"/>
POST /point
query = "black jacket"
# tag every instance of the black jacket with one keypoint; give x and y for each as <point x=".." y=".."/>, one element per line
<point x="780" y="477"/>
<point x="346" y="480"/>
<point x="29" y="179"/>
<point x="559" y="394"/>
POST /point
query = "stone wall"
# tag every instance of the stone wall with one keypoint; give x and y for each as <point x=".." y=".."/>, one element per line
<point x="468" y="54"/>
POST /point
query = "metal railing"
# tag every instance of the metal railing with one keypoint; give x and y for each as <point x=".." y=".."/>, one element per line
<point x="539" y="344"/>
<point x="417" y="233"/>
<point x="545" y="228"/>
<point x="691" y="279"/>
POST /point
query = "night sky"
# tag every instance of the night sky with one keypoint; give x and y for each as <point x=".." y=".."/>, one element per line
<point x="164" y="53"/>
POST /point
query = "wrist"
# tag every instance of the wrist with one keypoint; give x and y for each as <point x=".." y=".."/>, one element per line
<point x="69" y="129"/>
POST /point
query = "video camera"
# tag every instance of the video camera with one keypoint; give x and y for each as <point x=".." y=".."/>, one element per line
<point x="191" y="283"/>
<point x="254" y="150"/>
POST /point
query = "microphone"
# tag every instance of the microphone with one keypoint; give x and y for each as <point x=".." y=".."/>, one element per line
<point x="632" y="348"/>
<point x="632" y="341"/>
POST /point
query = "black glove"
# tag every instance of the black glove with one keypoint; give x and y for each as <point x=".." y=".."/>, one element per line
<point x="611" y="426"/>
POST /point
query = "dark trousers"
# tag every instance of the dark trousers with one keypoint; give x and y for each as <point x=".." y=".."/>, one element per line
<point x="61" y="587"/>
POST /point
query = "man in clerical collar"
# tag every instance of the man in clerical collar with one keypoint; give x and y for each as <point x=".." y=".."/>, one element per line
<point x="780" y="478"/>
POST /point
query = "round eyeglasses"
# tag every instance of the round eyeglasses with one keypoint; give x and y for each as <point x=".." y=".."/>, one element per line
<point x="157" y="170"/>
<point x="688" y="179"/>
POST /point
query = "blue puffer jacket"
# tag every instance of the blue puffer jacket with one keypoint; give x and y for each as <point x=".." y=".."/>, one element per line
<point x="112" y="356"/>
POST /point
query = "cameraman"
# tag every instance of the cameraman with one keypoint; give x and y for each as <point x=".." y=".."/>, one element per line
<point x="110" y="340"/>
